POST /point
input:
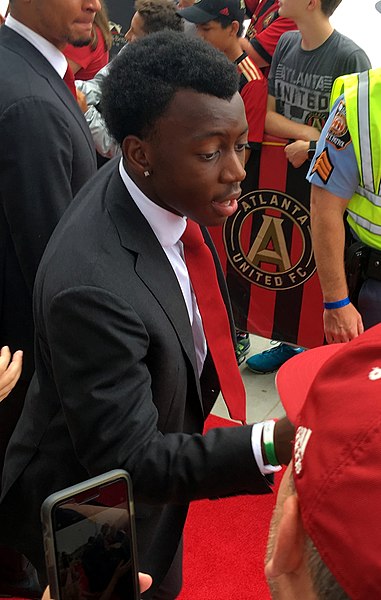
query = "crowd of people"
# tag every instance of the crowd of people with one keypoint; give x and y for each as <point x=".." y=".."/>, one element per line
<point x="116" y="326"/>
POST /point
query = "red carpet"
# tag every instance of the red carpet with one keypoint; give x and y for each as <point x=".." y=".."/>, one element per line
<point x="225" y="543"/>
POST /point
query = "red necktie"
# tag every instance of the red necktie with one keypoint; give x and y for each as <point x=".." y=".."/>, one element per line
<point x="215" y="320"/>
<point x="69" y="80"/>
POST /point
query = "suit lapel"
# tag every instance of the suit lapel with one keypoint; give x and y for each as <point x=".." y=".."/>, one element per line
<point x="152" y="265"/>
<point x="38" y="63"/>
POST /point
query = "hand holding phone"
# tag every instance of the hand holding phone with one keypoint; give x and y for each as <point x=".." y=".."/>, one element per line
<point x="90" y="540"/>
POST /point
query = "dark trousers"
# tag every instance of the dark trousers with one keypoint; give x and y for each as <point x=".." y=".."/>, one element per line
<point x="369" y="302"/>
<point x="10" y="411"/>
<point x="172" y="583"/>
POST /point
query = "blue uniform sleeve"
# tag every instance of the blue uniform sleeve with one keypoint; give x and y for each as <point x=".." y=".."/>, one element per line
<point x="334" y="166"/>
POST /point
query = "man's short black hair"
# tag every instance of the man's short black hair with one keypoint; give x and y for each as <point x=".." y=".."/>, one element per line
<point x="144" y="78"/>
<point x="158" y="15"/>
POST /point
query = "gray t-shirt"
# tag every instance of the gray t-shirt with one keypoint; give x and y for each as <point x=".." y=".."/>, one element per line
<point x="301" y="80"/>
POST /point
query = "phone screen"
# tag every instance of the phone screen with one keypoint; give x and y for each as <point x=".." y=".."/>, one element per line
<point x="94" y="545"/>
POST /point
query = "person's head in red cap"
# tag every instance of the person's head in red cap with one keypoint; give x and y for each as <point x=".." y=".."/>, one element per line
<point x="325" y="536"/>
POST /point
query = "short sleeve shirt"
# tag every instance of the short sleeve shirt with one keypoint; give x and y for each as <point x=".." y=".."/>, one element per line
<point x="334" y="166"/>
<point x="253" y="90"/>
<point x="266" y="27"/>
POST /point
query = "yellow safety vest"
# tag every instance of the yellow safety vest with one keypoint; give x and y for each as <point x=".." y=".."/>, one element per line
<point x="362" y="94"/>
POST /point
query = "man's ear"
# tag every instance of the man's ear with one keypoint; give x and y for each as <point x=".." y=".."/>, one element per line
<point x="288" y="549"/>
<point x="312" y="5"/>
<point x="135" y="153"/>
<point x="234" y="28"/>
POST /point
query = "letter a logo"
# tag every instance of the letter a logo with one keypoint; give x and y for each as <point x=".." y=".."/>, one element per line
<point x="270" y="245"/>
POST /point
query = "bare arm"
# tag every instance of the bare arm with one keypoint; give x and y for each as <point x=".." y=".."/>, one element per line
<point x="328" y="237"/>
<point x="280" y="126"/>
<point x="257" y="58"/>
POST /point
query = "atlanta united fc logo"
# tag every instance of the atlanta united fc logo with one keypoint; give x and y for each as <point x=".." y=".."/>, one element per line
<point x="268" y="240"/>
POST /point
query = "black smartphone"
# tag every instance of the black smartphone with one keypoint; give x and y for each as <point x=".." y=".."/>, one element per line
<point x="90" y="540"/>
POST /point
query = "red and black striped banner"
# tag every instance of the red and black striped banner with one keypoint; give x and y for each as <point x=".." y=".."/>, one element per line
<point x="266" y="252"/>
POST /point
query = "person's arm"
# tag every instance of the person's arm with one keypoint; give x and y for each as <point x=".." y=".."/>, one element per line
<point x="280" y="126"/>
<point x="104" y="143"/>
<point x="254" y="55"/>
<point x="328" y="237"/>
<point x="118" y="394"/>
<point x="37" y="149"/>
<point x="297" y="152"/>
<point x="254" y="96"/>
<point x="263" y="44"/>
<point x="92" y="87"/>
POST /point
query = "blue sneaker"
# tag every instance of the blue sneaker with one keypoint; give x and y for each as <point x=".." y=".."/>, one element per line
<point x="270" y="360"/>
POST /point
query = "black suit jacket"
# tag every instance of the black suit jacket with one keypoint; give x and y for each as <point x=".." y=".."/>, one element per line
<point x="116" y="382"/>
<point x="46" y="155"/>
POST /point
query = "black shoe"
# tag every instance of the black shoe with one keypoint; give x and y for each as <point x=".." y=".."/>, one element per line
<point x="243" y="346"/>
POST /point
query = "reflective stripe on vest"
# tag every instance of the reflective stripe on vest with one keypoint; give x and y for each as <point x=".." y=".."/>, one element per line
<point x="362" y="93"/>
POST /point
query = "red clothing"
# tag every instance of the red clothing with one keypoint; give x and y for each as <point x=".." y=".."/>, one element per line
<point x="91" y="61"/>
<point x="253" y="90"/>
<point x="266" y="27"/>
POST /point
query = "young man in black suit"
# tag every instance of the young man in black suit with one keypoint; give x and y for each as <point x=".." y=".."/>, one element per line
<point x="124" y="376"/>
<point x="46" y="155"/>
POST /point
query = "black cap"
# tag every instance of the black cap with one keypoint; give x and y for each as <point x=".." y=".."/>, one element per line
<point x="203" y="11"/>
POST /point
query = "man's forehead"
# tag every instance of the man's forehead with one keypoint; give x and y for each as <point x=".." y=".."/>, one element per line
<point x="191" y="104"/>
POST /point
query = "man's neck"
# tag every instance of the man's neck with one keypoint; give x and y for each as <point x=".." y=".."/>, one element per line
<point x="314" y="32"/>
<point x="234" y="51"/>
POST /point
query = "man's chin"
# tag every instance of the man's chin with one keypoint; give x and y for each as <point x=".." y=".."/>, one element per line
<point x="79" y="43"/>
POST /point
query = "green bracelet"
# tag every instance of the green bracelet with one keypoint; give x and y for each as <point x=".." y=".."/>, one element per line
<point x="268" y="442"/>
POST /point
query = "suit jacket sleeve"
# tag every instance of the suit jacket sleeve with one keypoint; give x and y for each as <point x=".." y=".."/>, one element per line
<point x="100" y="363"/>
<point x="37" y="152"/>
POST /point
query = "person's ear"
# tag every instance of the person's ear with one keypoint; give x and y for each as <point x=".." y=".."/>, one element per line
<point x="135" y="153"/>
<point x="234" y="28"/>
<point x="313" y="4"/>
<point x="288" y="549"/>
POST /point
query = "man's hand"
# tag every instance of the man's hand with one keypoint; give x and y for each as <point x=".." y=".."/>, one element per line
<point x="145" y="582"/>
<point x="9" y="371"/>
<point x="297" y="152"/>
<point x="81" y="99"/>
<point x="342" y="324"/>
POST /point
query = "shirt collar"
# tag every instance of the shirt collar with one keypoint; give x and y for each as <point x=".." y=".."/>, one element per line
<point x="48" y="50"/>
<point x="167" y="226"/>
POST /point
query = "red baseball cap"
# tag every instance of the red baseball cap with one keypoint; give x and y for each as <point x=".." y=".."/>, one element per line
<point x="332" y="394"/>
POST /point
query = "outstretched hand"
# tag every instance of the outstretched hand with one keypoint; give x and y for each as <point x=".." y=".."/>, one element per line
<point x="10" y="370"/>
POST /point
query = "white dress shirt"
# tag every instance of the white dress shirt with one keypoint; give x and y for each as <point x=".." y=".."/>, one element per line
<point x="168" y="229"/>
<point x="48" y="50"/>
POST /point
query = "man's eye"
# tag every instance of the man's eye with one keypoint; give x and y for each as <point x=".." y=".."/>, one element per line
<point x="209" y="155"/>
<point x="241" y="147"/>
